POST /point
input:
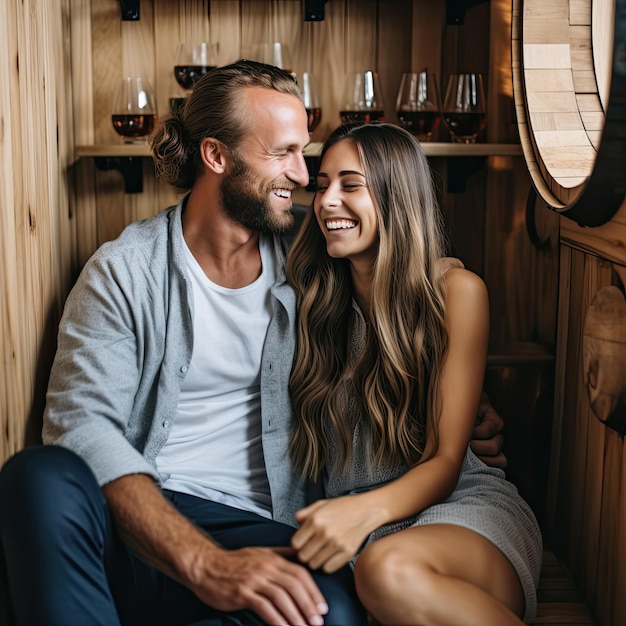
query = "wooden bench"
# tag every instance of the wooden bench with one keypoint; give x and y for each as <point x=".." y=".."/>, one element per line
<point x="559" y="602"/>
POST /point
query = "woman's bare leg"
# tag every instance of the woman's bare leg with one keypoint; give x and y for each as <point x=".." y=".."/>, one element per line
<point x="438" y="575"/>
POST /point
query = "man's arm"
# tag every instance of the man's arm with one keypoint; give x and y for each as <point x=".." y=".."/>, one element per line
<point x="487" y="438"/>
<point x="258" y="579"/>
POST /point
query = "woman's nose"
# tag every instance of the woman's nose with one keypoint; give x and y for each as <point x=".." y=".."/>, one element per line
<point x="330" y="199"/>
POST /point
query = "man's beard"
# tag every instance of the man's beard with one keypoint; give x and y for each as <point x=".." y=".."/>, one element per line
<point x="244" y="203"/>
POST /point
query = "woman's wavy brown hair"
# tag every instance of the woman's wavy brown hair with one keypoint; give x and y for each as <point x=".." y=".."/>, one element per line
<point x="395" y="381"/>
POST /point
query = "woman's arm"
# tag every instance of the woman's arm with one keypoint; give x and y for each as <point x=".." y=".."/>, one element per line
<point x="332" y="531"/>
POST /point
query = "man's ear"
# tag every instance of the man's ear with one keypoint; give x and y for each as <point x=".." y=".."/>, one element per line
<point x="213" y="155"/>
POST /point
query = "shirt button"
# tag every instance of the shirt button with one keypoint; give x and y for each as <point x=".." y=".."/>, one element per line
<point x="166" y="424"/>
<point x="183" y="369"/>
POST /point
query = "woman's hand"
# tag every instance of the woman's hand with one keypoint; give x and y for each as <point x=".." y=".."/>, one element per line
<point x="332" y="531"/>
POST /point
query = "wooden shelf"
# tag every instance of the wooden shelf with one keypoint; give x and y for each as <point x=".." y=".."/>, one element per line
<point x="435" y="149"/>
<point x="523" y="353"/>
<point x="125" y="157"/>
<point x="114" y="150"/>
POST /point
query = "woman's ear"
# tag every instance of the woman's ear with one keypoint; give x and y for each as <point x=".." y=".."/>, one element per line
<point x="212" y="155"/>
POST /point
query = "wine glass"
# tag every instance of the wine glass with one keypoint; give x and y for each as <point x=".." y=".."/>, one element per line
<point x="273" y="53"/>
<point x="134" y="111"/>
<point x="278" y="54"/>
<point x="308" y="86"/>
<point x="192" y="62"/>
<point x="418" y="105"/>
<point x="362" y="100"/>
<point x="464" y="107"/>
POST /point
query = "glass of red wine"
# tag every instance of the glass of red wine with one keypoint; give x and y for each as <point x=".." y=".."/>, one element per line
<point x="418" y="104"/>
<point x="192" y="62"/>
<point x="464" y="108"/>
<point x="362" y="100"/>
<point x="308" y="86"/>
<point x="134" y="111"/>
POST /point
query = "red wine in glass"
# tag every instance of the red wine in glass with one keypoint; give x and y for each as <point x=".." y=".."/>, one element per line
<point x="362" y="115"/>
<point x="188" y="75"/>
<point x="464" y="107"/>
<point x="133" y="125"/>
<point x="314" y="117"/>
<point x="420" y="123"/>
<point x="464" y="127"/>
<point x="133" y="112"/>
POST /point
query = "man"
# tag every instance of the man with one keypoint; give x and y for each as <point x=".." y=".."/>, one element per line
<point x="168" y="496"/>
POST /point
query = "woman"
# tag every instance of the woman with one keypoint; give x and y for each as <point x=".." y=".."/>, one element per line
<point x="387" y="377"/>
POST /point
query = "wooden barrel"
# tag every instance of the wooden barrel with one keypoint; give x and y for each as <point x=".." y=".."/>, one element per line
<point x="569" y="86"/>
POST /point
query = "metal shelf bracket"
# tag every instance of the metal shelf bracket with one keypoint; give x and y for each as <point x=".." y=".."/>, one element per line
<point x="131" y="169"/>
<point x="130" y="10"/>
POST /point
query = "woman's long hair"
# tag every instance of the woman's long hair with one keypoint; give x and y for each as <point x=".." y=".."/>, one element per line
<point x="394" y="383"/>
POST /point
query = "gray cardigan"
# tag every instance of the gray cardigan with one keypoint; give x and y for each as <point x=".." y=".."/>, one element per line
<point x="124" y="345"/>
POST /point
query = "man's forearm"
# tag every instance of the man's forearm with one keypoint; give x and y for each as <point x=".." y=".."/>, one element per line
<point x="258" y="579"/>
<point x="153" y="528"/>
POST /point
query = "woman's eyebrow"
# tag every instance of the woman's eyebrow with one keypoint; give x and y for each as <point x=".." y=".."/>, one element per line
<point x="341" y="173"/>
<point x="348" y="172"/>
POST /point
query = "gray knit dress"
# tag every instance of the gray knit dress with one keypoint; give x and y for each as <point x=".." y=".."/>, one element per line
<point x="483" y="500"/>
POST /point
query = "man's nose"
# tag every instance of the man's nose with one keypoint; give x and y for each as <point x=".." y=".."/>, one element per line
<point x="301" y="172"/>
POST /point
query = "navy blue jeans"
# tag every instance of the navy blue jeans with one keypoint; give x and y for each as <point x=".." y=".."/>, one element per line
<point x="62" y="564"/>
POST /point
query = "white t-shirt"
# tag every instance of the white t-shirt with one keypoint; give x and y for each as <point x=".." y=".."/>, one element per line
<point x="214" y="449"/>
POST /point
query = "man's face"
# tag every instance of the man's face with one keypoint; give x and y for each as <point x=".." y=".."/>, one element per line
<point x="269" y="165"/>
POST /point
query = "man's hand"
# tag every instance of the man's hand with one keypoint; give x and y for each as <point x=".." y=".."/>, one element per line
<point x="262" y="580"/>
<point x="487" y="435"/>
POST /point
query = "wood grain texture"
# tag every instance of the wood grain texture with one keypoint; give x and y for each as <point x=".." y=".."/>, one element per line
<point x="525" y="306"/>
<point x="550" y="41"/>
<point x="618" y="601"/>
<point x="607" y="589"/>
<point x="83" y="198"/>
<point x="586" y="490"/>
<point x="35" y="223"/>
<point x="559" y="601"/>
<point x="555" y="499"/>
<point x="587" y="440"/>
<point x="607" y="240"/>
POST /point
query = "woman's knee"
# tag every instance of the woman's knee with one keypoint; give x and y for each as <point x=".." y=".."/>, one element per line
<point x="384" y="573"/>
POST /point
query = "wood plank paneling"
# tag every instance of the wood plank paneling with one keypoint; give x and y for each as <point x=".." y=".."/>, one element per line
<point x="559" y="601"/>
<point x="586" y="513"/>
<point x="618" y="511"/>
<point x="607" y="589"/>
<point x="607" y="241"/>
<point x="36" y="144"/>
<point x="597" y="275"/>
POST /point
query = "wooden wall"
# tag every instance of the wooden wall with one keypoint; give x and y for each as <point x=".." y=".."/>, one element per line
<point x="587" y="492"/>
<point x="37" y="243"/>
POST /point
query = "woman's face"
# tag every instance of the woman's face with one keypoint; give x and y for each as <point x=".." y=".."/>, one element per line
<point x="343" y="205"/>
